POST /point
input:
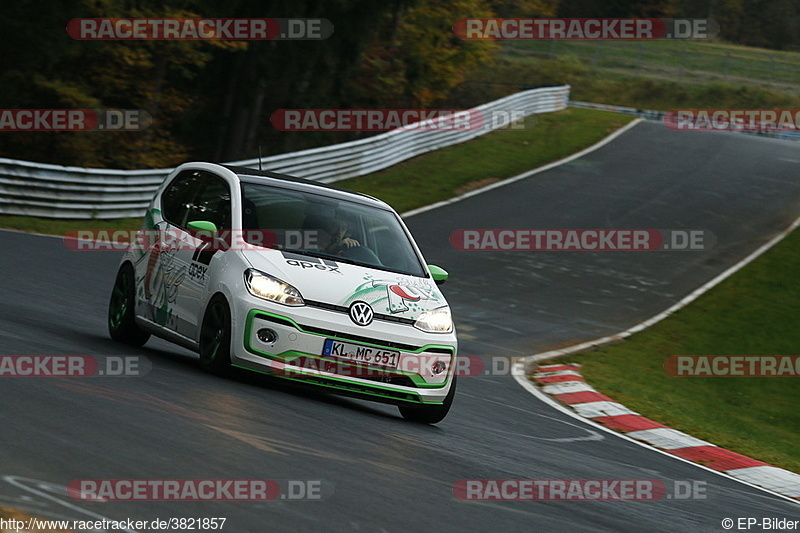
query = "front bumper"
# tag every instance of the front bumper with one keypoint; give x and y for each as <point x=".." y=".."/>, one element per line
<point x="422" y="376"/>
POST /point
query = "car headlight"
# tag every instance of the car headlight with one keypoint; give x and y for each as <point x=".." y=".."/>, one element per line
<point x="271" y="288"/>
<point x="436" y="320"/>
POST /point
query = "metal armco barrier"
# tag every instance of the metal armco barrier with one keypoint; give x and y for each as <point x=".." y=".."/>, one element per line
<point x="54" y="191"/>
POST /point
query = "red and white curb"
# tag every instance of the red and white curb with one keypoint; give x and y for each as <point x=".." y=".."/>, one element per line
<point x="565" y="384"/>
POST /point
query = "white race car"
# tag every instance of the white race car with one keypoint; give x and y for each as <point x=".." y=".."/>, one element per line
<point x="304" y="281"/>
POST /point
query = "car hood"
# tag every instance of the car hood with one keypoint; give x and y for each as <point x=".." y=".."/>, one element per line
<point x="332" y="282"/>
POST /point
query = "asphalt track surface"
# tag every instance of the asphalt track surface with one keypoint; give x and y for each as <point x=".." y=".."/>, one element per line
<point x="387" y="474"/>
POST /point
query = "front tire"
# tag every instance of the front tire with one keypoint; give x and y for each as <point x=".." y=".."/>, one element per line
<point x="430" y="414"/>
<point x="215" y="337"/>
<point x="122" y="310"/>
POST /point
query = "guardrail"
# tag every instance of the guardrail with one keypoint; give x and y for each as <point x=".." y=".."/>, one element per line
<point x="647" y="114"/>
<point x="54" y="191"/>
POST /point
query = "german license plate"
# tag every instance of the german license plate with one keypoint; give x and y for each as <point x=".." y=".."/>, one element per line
<point x="362" y="354"/>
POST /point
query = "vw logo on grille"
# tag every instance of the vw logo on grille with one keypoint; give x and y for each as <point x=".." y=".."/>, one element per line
<point x="361" y="313"/>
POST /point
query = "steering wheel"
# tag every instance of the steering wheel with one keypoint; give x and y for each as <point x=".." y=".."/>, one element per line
<point x="358" y="253"/>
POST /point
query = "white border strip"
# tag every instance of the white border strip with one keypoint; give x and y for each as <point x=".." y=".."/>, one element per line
<point x="518" y="371"/>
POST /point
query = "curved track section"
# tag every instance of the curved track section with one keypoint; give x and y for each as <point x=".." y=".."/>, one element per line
<point x="387" y="474"/>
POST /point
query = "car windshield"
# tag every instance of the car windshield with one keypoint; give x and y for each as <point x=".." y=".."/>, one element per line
<point x="323" y="226"/>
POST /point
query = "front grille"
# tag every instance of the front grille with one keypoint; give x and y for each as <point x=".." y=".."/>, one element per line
<point x="345" y="310"/>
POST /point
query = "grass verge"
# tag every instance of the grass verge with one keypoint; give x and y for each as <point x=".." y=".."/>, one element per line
<point x="60" y="226"/>
<point x="648" y="75"/>
<point x="437" y="175"/>
<point x="754" y="312"/>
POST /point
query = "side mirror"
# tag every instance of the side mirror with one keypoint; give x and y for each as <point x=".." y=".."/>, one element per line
<point x="203" y="230"/>
<point x="438" y="274"/>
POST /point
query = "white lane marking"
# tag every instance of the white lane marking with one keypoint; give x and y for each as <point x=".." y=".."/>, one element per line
<point x="526" y="174"/>
<point x="694" y="295"/>
<point x="46" y="486"/>
<point x="592" y="435"/>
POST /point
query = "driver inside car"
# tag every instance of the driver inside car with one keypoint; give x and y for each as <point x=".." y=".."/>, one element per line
<point x="339" y="241"/>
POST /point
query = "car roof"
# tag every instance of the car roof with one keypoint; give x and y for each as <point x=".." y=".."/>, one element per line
<point x="302" y="183"/>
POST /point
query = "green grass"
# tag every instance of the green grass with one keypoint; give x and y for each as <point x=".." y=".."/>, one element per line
<point x="647" y="75"/>
<point x="755" y="312"/>
<point x="625" y="89"/>
<point x="684" y="61"/>
<point x="437" y="175"/>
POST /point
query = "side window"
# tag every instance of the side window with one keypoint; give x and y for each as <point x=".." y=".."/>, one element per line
<point x="177" y="197"/>
<point x="212" y="202"/>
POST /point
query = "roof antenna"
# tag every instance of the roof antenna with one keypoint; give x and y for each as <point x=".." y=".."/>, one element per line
<point x="259" y="157"/>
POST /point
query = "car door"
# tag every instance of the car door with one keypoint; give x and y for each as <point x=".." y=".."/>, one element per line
<point x="162" y="273"/>
<point x="211" y="202"/>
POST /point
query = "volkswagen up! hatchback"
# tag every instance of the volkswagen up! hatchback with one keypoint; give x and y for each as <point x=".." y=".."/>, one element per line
<point x="303" y="281"/>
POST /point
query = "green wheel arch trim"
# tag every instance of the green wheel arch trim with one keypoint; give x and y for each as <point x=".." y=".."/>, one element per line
<point x="418" y="381"/>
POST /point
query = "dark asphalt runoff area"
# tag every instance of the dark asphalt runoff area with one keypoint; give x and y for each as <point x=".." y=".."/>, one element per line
<point x="382" y="473"/>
